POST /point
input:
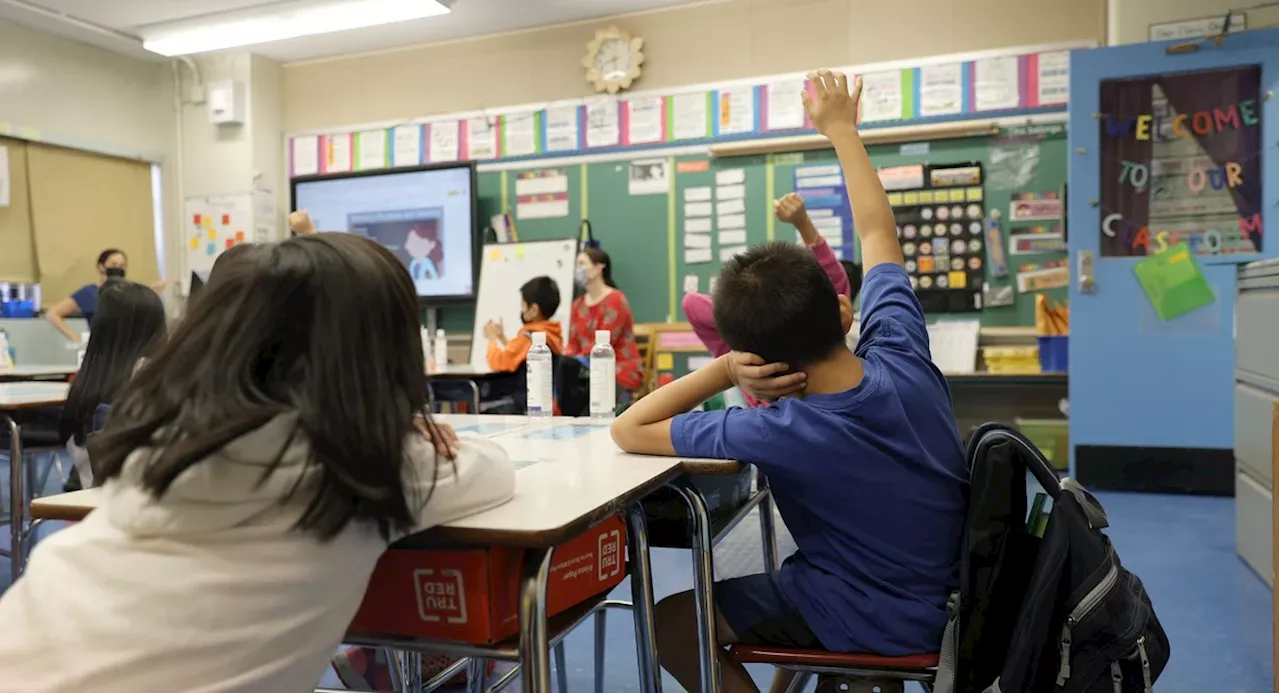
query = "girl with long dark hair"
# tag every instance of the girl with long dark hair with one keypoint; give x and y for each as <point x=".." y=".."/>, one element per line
<point x="129" y="322"/>
<point x="252" y="471"/>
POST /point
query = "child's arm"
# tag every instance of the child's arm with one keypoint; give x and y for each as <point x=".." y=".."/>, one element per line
<point x="645" y="427"/>
<point x="506" y="357"/>
<point x="834" y="112"/>
<point x="790" y="209"/>
<point x="698" y="310"/>
<point x="479" y="476"/>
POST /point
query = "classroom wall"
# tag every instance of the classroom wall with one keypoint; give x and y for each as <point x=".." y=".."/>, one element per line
<point x="72" y="94"/>
<point x="686" y="45"/>
<point x="1128" y="21"/>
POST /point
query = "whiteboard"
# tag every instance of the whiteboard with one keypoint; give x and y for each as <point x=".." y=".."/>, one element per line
<point x="504" y="268"/>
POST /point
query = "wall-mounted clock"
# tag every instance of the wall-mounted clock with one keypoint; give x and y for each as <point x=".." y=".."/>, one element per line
<point x="613" y="60"/>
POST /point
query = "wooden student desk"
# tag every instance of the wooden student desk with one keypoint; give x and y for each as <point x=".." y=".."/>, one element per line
<point x="570" y="476"/>
<point x="17" y="399"/>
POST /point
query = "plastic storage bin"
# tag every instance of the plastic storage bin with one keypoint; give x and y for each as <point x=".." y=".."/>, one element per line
<point x="1053" y="354"/>
<point x="1052" y="436"/>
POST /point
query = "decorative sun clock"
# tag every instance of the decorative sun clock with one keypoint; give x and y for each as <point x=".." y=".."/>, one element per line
<point x="613" y="60"/>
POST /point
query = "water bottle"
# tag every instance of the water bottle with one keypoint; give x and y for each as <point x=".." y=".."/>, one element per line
<point x="428" y="361"/>
<point x="6" y="353"/>
<point x="604" y="369"/>
<point x="440" y="353"/>
<point x="538" y="378"/>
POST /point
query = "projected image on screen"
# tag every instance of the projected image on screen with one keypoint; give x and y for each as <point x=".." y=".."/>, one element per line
<point x="423" y="216"/>
<point x="414" y="235"/>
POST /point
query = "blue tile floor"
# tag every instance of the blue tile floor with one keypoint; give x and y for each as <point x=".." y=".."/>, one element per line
<point x="1217" y="612"/>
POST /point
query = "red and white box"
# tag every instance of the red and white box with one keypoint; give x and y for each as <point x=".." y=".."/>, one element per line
<point x="472" y="596"/>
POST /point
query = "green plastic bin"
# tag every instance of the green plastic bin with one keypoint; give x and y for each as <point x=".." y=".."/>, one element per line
<point x="1051" y="436"/>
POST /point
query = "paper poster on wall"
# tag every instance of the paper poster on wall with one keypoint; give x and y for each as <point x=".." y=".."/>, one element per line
<point x="691" y="283"/>
<point x="736" y="237"/>
<point x="648" y="177"/>
<point x="941" y="90"/>
<point x="265" y="219"/>
<point x="824" y="193"/>
<point x="4" y="177"/>
<point x="306" y="155"/>
<point x="602" y="123"/>
<point x="731" y="192"/>
<point x="562" y="128"/>
<point x="731" y="176"/>
<point x="881" y="96"/>
<point x="784" y="109"/>
<point x="697" y="209"/>
<point x="520" y="134"/>
<point x="1035" y="207"/>
<point x="1053" y="77"/>
<point x="406" y="145"/>
<point x="646" y="120"/>
<point x="373" y="149"/>
<point x="211" y="225"/>
<point x="727" y="252"/>
<point x="901" y="177"/>
<point x="731" y="207"/>
<point x="731" y="221"/>
<point x="542" y="194"/>
<point x="697" y="224"/>
<point x="697" y="256"/>
<point x="1041" y="276"/>
<point x="697" y="240"/>
<point x="995" y="84"/>
<point x="338" y="159"/>
<point x="1035" y="242"/>
<point x="702" y="194"/>
<point x="444" y="142"/>
<point x="689" y="114"/>
<point x="737" y="110"/>
<point x="482" y="138"/>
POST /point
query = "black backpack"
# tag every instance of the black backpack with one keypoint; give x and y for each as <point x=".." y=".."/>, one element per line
<point x="1039" y="615"/>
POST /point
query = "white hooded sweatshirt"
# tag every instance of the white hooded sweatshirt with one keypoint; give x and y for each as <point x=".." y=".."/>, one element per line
<point x="210" y="589"/>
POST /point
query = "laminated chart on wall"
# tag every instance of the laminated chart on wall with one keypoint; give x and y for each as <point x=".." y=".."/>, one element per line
<point x="213" y="224"/>
<point x="542" y="194"/>
<point x="827" y="201"/>
<point x="940" y="228"/>
<point x="1035" y="224"/>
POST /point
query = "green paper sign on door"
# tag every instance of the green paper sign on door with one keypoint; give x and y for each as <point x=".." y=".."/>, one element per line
<point x="1173" y="282"/>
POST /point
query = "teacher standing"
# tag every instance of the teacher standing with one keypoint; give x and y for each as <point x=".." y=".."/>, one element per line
<point x="604" y="307"/>
<point x="112" y="264"/>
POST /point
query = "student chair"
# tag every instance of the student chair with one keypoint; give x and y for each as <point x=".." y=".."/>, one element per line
<point x="845" y="673"/>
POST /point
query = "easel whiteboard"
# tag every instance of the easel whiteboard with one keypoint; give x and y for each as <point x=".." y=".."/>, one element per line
<point x="504" y="268"/>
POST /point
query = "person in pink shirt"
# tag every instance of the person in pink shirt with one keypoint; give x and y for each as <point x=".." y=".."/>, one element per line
<point x="768" y="382"/>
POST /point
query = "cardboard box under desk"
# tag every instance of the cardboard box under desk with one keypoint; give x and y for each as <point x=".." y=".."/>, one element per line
<point x="472" y="596"/>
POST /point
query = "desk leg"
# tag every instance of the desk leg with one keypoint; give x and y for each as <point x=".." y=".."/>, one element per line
<point x="768" y="535"/>
<point x="700" y="522"/>
<point x="475" y="396"/>
<point x="17" y="499"/>
<point x="535" y="653"/>
<point x="642" y="602"/>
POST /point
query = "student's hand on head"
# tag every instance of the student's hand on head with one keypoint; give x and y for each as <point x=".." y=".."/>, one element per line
<point x="832" y="106"/>
<point x="767" y="382"/>
<point x="446" y="442"/>
<point x="301" y="224"/>
<point x="790" y="209"/>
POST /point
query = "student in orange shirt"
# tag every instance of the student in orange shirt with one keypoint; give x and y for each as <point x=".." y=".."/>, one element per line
<point x="539" y="299"/>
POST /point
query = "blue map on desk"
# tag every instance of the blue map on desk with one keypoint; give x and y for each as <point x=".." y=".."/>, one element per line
<point x="485" y="429"/>
<point x="521" y="464"/>
<point x="559" y="432"/>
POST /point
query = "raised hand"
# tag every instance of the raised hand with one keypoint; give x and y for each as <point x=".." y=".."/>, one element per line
<point x="301" y="224"/>
<point x="790" y="209"/>
<point x="832" y="106"/>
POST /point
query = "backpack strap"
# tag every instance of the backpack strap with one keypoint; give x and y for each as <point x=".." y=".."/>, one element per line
<point x="944" y="680"/>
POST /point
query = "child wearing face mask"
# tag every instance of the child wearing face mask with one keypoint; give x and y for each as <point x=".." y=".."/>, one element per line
<point x="539" y="300"/>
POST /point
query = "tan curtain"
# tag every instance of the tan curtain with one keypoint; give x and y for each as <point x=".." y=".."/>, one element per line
<point x="18" y="261"/>
<point x="82" y="204"/>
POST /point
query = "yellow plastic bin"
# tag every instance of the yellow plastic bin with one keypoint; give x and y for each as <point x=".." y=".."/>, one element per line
<point x="1051" y="436"/>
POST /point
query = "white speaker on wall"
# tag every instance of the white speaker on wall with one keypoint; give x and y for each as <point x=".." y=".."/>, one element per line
<point x="226" y="102"/>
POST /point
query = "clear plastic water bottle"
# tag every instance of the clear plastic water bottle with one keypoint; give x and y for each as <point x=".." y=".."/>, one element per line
<point x="440" y="352"/>
<point x="6" y="353"/>
<point x="428" y="360"/>
<point x="538" y="378"/>
<point x="604" y="368"/>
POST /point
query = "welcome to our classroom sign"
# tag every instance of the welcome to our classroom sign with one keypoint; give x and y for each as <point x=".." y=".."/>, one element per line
<point x="1181" y="163"/>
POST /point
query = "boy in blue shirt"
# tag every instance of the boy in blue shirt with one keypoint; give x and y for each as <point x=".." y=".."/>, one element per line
<point x="865" y="464"/>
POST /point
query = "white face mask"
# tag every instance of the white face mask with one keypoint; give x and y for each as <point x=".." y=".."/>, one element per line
<point x="580" y="277"/>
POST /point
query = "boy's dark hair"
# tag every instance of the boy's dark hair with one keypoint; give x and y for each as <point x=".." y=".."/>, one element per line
<point x="129" y="323"/>
<point x="775" y="301"/>
<point x="853" y="271"/>
<point x="544" y="293"/>
<point x="324" y="328"/>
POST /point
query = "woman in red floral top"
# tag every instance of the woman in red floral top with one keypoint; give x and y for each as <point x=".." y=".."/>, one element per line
<point x="603" y="307"/>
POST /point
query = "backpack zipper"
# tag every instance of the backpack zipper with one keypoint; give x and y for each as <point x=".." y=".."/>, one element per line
<point x="1117" y="678"/>
<point x="1090" y="602"/>
<point x="1146" y="665"/>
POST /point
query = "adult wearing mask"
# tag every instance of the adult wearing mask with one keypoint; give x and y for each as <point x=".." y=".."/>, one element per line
<point x="112" y="264"/>
<point x="603" y="306"/>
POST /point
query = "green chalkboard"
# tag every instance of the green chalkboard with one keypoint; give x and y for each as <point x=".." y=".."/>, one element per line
<point x="644" y="233"/>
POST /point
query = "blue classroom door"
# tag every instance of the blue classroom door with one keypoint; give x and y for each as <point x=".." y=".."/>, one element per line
<point x="1165" y="147"/>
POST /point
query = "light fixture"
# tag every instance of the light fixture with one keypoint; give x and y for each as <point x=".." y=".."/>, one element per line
<point x="292" y="21"/>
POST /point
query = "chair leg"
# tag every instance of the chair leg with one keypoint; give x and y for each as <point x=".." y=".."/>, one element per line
<point x="562" y="674"/>
<point x="599" y="654"/>
<point x="798" y="683"/>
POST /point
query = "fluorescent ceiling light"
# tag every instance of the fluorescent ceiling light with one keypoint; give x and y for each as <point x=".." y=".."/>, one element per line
<point x="213" y="35"/>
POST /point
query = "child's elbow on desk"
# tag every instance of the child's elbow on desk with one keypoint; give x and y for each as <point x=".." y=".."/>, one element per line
<point x="643" y="438"/>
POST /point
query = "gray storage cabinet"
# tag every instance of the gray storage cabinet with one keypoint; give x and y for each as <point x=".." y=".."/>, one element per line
<point x="1257" y="359"/>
